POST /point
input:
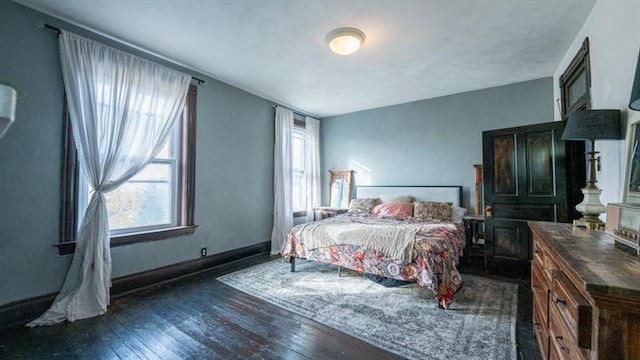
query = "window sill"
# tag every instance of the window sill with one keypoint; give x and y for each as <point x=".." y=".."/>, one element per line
<point x="67" y="248"/>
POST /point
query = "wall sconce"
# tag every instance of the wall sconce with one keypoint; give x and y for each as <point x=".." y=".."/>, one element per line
<point x="8" y="97"/>
<point x="592" y="125"/>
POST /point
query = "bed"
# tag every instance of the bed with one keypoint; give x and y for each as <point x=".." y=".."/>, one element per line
<point x="389" y="243"/>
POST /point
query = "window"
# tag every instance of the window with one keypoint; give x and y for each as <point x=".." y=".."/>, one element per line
<point x="575" y="83"/>
<point x="157" y="203"/>
<point x="299" y="183"/>
<point x="148" y="200"/>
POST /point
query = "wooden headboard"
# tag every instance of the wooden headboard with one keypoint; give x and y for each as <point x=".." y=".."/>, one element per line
<point x="420" y="193"/>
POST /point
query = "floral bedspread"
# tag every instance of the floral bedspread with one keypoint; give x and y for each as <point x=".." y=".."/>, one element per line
<point x="436" y="252"/>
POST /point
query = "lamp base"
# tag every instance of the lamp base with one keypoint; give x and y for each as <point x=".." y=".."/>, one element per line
<point x="591" y="205"/>
<point x="591" y="208"/>
<point x="591" y="225"/>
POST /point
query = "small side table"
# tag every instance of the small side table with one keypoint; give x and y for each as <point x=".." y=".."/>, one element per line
<point x="323" y="212"/>
<point x="472" y="224"/>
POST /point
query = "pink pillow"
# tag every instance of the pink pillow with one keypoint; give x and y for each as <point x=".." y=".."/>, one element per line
<point x="394" y="209"/>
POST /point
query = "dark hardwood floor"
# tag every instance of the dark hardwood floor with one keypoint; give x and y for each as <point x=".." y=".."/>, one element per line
<point x="201" y="318"/>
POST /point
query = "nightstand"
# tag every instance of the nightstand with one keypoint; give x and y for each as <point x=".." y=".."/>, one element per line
<point x="472" y="226"/>
<point x="323" y="212"/>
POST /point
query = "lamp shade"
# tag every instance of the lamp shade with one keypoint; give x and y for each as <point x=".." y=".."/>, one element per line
<point x="8" y="96"/>
<point x="634" y="101"/>
<point x="593" y="125"/>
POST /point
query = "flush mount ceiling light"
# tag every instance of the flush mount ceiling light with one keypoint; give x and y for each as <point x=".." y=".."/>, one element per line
<point x="345" y="41"/>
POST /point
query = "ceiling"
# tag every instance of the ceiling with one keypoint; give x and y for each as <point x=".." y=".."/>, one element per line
<point x="276" y="49"/>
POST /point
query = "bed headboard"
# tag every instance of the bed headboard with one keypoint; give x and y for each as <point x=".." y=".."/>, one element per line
<point x="420" y="193"/>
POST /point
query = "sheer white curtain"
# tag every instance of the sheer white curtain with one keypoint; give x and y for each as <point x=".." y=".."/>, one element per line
<point x="312" y="165"/>
<point x="122" y="110"/>
<point x="282" y="179"/>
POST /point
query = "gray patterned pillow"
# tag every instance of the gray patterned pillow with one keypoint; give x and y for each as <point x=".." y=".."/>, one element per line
<point x="363" y="206"/>
<point x="429" y="210"/>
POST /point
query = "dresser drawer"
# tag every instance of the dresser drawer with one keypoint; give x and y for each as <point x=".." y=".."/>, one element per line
<point x="553" y="354"/>
<point x="540" y="290"/>
<point x="549" y="264"/>
<point x="573" y="308"/>
<point x="561" y="344"/>
<point x="540" y="329"/>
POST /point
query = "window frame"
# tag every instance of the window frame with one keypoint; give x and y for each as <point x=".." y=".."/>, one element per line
<point x="579" y="64"/>
<point x="185" y="204"/>
<point x="175" y="199"/>
<point x="300" y="125"/>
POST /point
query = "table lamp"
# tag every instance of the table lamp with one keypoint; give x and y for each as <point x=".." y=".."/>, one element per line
<point x="592" y="125"/>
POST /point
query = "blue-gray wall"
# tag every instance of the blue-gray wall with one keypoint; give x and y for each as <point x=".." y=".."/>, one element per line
<point x="234" y="173"/>
<point x="429" y="142"/>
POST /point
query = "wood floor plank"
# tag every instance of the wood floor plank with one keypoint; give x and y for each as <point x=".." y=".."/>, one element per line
<point x="261" y="329"/>
<point x="187" y="328"/>
<point x="111" y="339"/>
<point x="94" y="339"/>
<point x="302" y="332"/>
<point x="147" y="333"/>
<point x="79" y="345"/>
<point x="241" y="340"/>
<point x="136" y="346"/>
<point x="167" y="326"/>
<point x="205" y="328"/>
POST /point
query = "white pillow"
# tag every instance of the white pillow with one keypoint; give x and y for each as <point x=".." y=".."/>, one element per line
<point x="387" y="199"/>
<point x="457" y="213"/>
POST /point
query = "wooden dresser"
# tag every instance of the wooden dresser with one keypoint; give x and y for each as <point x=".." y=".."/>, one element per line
<point x="586" y="294"/>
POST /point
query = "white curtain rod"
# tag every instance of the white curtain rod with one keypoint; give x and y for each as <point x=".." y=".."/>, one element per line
<point x="50" y="27"/>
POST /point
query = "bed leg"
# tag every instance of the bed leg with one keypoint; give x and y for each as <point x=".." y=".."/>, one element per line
<point x="339" y="271"/>
<point x="293" y="264"/>
<point x="443" y="304"/>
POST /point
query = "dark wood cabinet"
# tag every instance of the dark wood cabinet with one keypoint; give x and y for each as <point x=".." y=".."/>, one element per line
<point x="586" y="294"/>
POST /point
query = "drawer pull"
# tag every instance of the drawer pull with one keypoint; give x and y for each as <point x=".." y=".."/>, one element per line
<point x="561" y="344"/>
<point x="559" y="301"/>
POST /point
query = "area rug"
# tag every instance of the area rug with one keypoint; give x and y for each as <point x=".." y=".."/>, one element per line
<point x="404" y="320"/>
